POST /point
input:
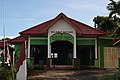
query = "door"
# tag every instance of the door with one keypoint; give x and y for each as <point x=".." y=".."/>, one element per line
<point x="64" y="52"/>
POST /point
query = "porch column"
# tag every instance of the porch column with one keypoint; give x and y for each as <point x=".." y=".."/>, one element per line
<point x="74" y="53"/>
<point x="49" y="52"/>
<point x="28" y="54"/>
<point x="96" y="52"/>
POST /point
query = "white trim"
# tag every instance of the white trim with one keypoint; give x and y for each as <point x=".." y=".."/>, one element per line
<point x="96" y="50"/>
<point x="28" y="55"/>
<point x="49" y="47"/>
<point x="13" y="57"/>
<point x="86" y="39"/>
<point x="76" y="38"/>
<point x="74" y="47"/>
<point x="116" y="42"/>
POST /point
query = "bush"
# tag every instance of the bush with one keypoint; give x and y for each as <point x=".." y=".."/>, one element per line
<point x="110" y="77"/>
<point x="7" y="73"/>
<point x="30" y="63"/>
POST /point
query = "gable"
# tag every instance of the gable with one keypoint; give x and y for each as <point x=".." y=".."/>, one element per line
<point x="61" y="26"/>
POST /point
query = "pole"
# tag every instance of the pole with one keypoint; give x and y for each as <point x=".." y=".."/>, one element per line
<point x="4" y="32"/>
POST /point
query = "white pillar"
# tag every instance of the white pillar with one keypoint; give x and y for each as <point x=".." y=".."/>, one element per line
<point x="49" y="48"/>
<point x="13" y="57"/>
<point x="28" y="55"/>
<point x="22" y="73"/>
<point x="96" y="50"/>
<point x="74" y="47"/>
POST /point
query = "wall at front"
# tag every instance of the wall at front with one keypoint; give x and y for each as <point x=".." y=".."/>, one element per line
<point x="61" y="27"/>
<point x="101" y="44"/>
<point x="80" y="41"/>
<point x="18" y="47"/>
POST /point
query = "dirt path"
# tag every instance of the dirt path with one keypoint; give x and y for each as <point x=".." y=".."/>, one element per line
<point x="84" y="74"/>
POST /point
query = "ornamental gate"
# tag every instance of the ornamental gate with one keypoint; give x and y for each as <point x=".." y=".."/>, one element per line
<point x="110" y="57"/>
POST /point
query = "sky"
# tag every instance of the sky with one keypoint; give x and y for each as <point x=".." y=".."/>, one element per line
<point x="23" y="14"/>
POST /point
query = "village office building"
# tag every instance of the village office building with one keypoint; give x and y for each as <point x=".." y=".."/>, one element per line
<point x="64" y="41"/>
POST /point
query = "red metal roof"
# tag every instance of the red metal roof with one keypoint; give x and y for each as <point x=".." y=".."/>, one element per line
<point x="2" y="44"/>
<point x="81" y="28"/>
<point x="18" y="39"/>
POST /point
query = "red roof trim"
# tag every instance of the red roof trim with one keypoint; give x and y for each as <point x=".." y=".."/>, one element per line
<point x="2" y="44"/>
<point x="61" y="15"/>
<point x="81" y="28"/>
<point x="27" y="30"/>
<point x="18" y="39"/>
<point x="87" y="26"/>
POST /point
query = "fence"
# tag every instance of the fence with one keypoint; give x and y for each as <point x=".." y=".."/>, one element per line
<point x="110" y="57"/>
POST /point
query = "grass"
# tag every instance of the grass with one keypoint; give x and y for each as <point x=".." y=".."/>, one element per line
<point x="110" y="77"/>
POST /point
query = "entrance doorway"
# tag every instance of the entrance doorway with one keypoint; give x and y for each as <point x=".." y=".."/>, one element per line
<point x="39" y="53"/>
<point x="86" y="54"/>
<point x="62" y="53"/>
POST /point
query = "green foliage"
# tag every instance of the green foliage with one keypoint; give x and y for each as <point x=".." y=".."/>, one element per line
<point x="110" y="77"/>
<point x="30" y="63"/>
<point x="114" y="8"/>
<point x="6" y="39"/>
<point x="7" y="73"/>
<point x="104" y="23"/>
<point x="111" y="23"/>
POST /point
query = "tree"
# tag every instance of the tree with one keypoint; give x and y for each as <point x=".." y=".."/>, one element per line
<point x="6" y="39"/>
<point x="111" y="23"/>
<point x="114" y="8"/>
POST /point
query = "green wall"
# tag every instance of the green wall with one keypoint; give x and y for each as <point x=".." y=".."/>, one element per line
<point x="38" y="42"/>
<point x="85" y="42"/>
<point x="17" y="50"/>
<point x="78" y="42"/>
<point x="103" y="43"/>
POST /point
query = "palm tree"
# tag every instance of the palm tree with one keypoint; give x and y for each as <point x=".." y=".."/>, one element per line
<point x="114" y="8"/>
<point x="111" y="23"/>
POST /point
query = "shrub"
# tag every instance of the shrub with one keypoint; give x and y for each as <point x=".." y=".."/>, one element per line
<point x="7" y="73"/>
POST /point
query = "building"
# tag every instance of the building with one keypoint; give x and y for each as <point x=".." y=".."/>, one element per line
<point x="64" y="41"/>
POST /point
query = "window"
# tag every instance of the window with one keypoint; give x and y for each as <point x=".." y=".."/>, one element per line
<point x="54" y="55"/>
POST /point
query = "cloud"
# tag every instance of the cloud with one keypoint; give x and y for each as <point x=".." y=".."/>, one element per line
<point x="85" y="5"/>
<point x="11" y="37"/>
<point x="26" y="19"/>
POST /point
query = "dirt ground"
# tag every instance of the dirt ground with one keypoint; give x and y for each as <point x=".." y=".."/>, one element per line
<point x="70" y="74"/>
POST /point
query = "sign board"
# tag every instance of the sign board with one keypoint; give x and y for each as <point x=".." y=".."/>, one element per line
<point x="61" y="37"/>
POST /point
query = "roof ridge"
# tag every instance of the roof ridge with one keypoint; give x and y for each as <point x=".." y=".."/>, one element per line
<point x="62" y="15"/>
